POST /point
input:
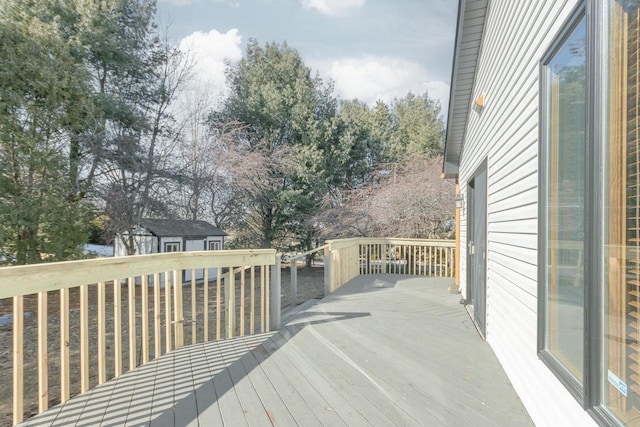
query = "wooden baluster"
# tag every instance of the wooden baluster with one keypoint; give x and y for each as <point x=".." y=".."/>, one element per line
<point x="205" y="283"/>
<point x="218" y="303"/>
<point x="131" y="288"/>
<point x="18" y="359"/>
<point x="294" y="283"/>
<point x="194" y="313"/>
<point x="144" y="312"/>
<point x="267" y="291"/>
<point x="167" y="313"/>
<point x="179" y="309"/>
<point x="117" y="327"/>
<point x="102" y="347"/>
<point x="84" y="338"/>
<point x="43" y="353"/>
<point x="64" y="345"/>
<point x="430" y="262"/>
<point x="230" y="303"/>
<point x="242" y="304"/>
<point x="157" y="316"/>
<point x="262" y="312"/>
<point x="252" y="320"/>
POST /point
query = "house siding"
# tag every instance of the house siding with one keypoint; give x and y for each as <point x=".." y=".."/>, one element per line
<point x="517" y="34"/>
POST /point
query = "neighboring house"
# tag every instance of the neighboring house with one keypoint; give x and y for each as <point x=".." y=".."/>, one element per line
<point x="153" y="236"/>
<point x="543" y="136"/>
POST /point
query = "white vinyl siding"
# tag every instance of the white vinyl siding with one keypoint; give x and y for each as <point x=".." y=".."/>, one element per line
<point x="517" y="34"/>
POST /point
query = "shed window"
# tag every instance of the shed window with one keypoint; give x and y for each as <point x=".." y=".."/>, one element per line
<point x="214" y="245"/>
<point x="172" y="247"/>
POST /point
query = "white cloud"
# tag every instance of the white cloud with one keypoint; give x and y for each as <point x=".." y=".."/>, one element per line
<point x="374" y="78"/>
<point x="210" y="53"/>
<point x="332" y="7"/>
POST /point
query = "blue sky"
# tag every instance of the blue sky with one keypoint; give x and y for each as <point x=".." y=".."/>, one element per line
<point x="371" y="49"/>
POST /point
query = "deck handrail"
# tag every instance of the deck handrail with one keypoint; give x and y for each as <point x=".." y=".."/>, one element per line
<point x="374" y="255"/>
<point x="154" y="326"/>
<point x="243" y="289"/>
<point x="345" y="259"/>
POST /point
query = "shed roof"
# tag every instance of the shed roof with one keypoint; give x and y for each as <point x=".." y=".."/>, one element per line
<point x="471" y="19"/>
<point x="181" y="228"/>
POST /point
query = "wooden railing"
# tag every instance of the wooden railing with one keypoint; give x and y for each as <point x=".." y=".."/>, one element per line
<point x="113" y="314"/>
<point x="345" y="259"/>
<point x="109" y="315"/>
<point x="293" y="264"/>
<point x="352" y="257"/>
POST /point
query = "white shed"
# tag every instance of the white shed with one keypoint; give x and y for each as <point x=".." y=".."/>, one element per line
<point x="543" y="137"/>
<point x="153" y="236"/>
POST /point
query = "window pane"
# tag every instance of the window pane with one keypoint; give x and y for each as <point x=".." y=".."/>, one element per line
<point x="621" y="225"/>
<point x="565" y="203"/>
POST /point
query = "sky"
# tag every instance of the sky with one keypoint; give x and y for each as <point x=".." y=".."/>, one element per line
<point x="371" y="49"/>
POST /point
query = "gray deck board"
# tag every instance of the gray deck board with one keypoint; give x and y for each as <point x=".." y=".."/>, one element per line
<point x="272" y="403"/>
<point x="335" y="400"/>
<point x="205" y="395"/>
<point x="230" y="406"/>
<point x="294" y="402"/>
<point x="383" y="351"/>
<point x="252" y="407"/>
<point x="354" y="389"/>
<point x="305" y="388"/>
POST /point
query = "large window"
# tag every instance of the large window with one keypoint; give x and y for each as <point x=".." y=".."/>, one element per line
<point x="563" y="203"/>
<point x="620" y="369"/>
<point x="589" y="265"/>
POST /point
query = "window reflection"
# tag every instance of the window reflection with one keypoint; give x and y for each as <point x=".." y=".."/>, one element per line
<point x="566" y="148"/>
<point x="621" y="300"/>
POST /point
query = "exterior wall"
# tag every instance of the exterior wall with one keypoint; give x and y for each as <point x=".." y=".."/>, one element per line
<point x="176" y="239"/>
<point x="145" y="244"/>
<point x="194" y="245"/>
<point x="505" y="132"/>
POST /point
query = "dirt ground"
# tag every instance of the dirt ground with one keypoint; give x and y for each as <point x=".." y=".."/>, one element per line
<point x="310" y="285"/>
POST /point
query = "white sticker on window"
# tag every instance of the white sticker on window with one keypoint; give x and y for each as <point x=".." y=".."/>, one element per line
<point x="617" y="383"/>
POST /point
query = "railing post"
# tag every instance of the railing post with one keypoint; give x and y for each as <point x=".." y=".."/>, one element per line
<point x="327" y="271"/>
<point x="294" y="283"/>
<point x="274" y="297"/>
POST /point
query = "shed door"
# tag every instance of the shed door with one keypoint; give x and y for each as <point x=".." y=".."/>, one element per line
<point x="477" y="246"/>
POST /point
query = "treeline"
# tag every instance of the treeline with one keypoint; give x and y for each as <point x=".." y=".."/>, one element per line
<point x="100" y="127"/>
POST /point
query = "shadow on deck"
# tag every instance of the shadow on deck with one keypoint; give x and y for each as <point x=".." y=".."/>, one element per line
<point x="381" y="350"/>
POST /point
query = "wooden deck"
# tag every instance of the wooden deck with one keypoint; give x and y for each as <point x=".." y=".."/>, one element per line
<point x="381" y="350"/>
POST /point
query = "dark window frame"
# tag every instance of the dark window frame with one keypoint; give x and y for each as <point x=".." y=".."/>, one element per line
<point x="561" y="372"/>
<point x="166" y="244"/>
<point x="589" y="392"/>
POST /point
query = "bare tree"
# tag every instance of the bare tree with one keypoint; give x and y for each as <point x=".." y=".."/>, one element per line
<point x="408" y="200"/>
<point x="137" y="170"/>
